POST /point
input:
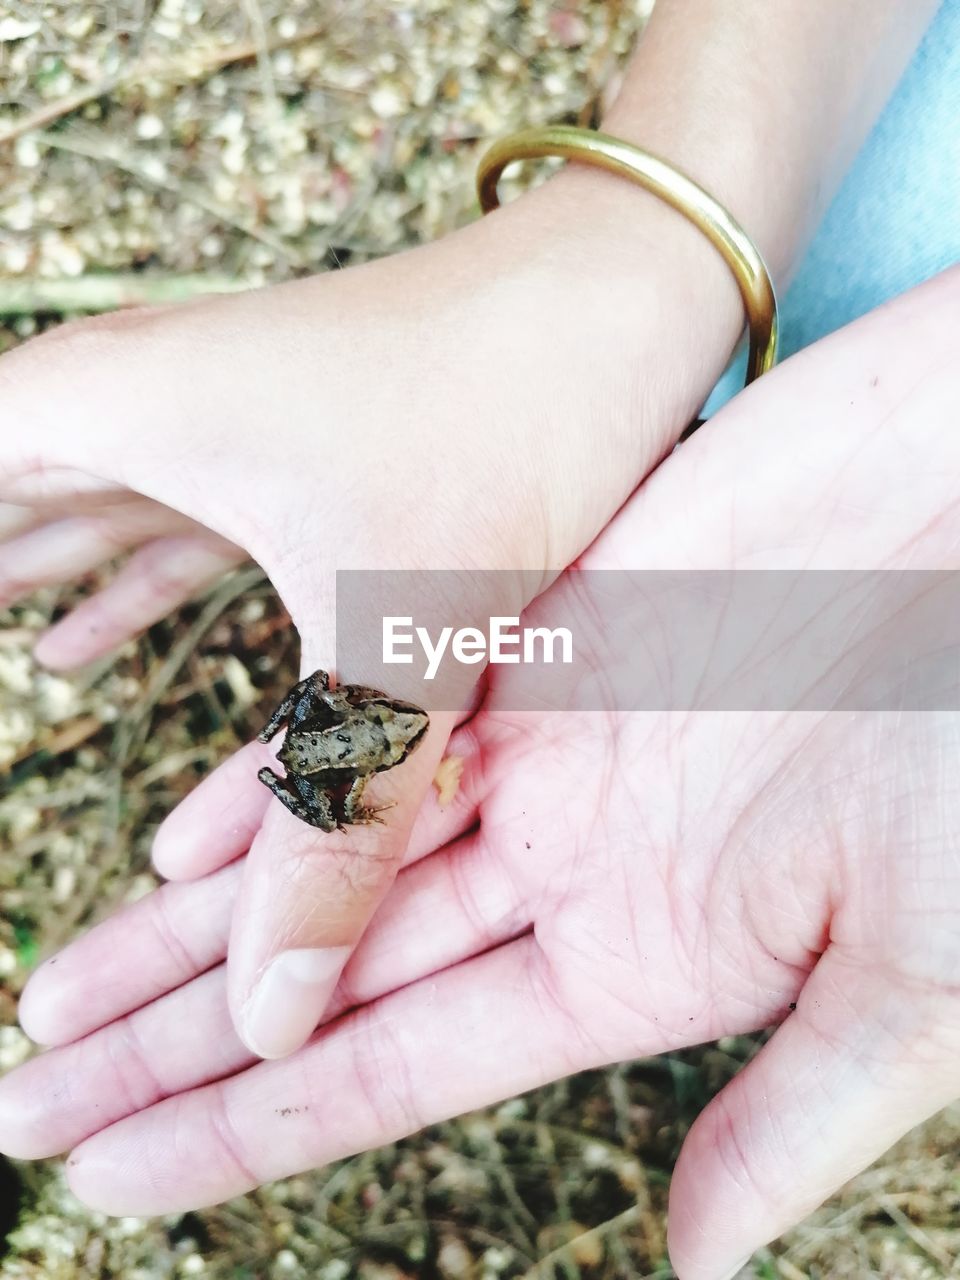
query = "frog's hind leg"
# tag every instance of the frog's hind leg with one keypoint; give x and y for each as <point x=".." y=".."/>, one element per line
<point x="297" y="705"/>
<point x="302" y="799"/>
<point x="354" y="811"/>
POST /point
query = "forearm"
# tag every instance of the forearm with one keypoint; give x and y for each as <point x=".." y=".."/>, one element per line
<point x="765" y="103"/>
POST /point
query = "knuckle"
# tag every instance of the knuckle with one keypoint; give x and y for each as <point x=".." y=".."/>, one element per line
<point x="550" y="1005"/>
<point x="379" y="1063"/>
<point x="163" y="580"/>
<point x="99" y="531"/>
<point x="487" y="897"/>
<point x="737" y="1156"/>
<point x="169" y="935"/>
<point x="227" y="1146"/>
<point x="134" y="1077"/>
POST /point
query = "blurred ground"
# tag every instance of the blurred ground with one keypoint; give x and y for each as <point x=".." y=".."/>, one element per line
<point x="151" y="151"/>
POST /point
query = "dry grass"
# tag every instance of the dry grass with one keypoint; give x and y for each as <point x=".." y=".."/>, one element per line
<point x="149" y="151"/>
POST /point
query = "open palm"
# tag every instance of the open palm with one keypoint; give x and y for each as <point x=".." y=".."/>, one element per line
<point x="603" y="886"/>
<point x="355" y="420"/>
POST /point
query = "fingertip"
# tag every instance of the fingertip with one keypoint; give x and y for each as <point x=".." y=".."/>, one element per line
<point x="105" y="1174"/>
<point x="72" y="642"/>
<point x="216" y="823"/>
<point x="136" y="1167"/>
<point x="50" y="652"/>
<point x="705" y="1231"/>
<point x="182" y="845"/>
<point x="83" y="1176"/>
<point x="164" y="853"/>
<point x="24" y="1113"/>
<point x="38" y="1010"/>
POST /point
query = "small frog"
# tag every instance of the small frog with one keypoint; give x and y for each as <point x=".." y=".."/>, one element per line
<point x="335" y="740"/>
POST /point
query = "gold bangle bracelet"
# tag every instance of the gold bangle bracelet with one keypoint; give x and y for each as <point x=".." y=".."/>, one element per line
<point x="661" y="179"/>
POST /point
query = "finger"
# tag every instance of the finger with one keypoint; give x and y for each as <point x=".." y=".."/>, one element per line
<point x="157" y="944"/>
<point x="181" y="930"/>
<point x="14" y="519"/>
<point x="216" y="822"/>
<point x="65" y="1095"/>
<point x="858" y="1064"/>
<point x="468" y="1037"/>
<point x="441" y="911"/>
<point x="306" y="898"/>
<point x="71" y="537"/>
<point x="155" y="580"/>
<point x="51" y="490"/>
<point x="185" y="1038"/>
<point x="57" y="552"/>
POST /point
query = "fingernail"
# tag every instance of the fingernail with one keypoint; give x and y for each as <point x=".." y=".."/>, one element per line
<point x="288" y="1002"/>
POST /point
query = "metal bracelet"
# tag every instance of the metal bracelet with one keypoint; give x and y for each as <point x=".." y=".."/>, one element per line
<point x="664" y="181"/>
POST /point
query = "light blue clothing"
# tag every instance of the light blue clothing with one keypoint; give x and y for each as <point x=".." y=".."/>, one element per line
<point x="896" y="220"/>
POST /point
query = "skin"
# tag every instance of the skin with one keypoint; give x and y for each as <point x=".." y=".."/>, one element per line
<point x="706" y="872"/>
<point x="601" y="334"/>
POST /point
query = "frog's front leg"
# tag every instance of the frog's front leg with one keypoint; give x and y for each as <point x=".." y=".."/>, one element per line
<point x="304" y="800"/>
<point x="354" y="811"/>
<point x="298" y="704"/>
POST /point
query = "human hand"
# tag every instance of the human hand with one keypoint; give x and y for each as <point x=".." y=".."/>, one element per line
<point x="391" y="416"/>
<point x="644" y="882"/>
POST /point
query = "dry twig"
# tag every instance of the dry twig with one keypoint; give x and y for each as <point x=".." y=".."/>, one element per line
<point x="94" y="149"/>
<point x="919" y="1237"/>
<point x="107" y="292"/>
<point x="196" y="66"/>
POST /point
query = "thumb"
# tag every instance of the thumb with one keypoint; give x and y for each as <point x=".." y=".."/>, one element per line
<point x="308" y="893"/>
<point x="859" y="1062"/>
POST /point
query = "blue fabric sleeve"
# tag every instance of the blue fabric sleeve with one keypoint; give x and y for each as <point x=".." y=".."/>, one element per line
<point x="896" y="220"/>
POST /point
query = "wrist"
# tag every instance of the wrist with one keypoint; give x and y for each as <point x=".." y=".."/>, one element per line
<point x="669" y="289"/>
<point x="602" y="318"/>
<point x="633" y="298"/>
